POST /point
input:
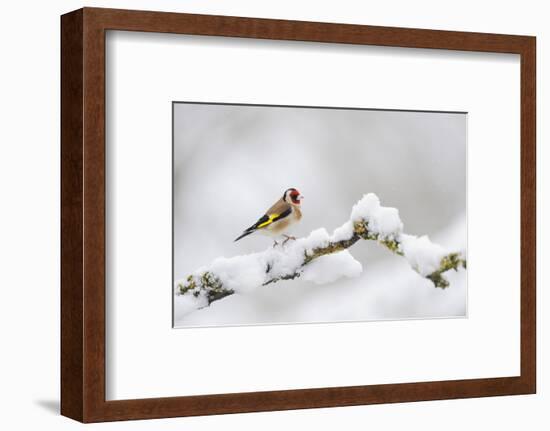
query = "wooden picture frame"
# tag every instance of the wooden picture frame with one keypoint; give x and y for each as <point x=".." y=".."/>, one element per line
<point x="83" y="214"/>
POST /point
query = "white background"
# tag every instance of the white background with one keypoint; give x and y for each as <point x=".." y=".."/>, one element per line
<point x="30" y="229"/>
<point x="146" y="358"/>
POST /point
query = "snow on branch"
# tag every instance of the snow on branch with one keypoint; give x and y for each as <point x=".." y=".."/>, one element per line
<point x="320" y="257"/>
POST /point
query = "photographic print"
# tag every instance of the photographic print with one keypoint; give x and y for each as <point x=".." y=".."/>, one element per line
<point x="290" y="214"/>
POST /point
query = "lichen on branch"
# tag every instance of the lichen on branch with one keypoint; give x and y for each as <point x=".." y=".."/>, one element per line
<point x="301" y="258"/>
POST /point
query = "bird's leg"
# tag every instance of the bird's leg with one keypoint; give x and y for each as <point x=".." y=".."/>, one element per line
<point x="275" y="243"/>
<point x="288" y="237"/>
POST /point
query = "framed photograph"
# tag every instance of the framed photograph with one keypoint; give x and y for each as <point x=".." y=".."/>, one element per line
<point x="266" y="215"/>
<point x="338" y="158"/>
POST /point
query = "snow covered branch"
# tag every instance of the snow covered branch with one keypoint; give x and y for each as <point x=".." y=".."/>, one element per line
<point x="321" y="258"/>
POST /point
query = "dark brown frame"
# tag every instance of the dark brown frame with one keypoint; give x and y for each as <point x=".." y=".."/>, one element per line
<point x="83" y="214"/>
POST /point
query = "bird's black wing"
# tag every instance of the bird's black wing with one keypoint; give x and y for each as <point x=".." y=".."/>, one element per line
<point x="265" y="221"/>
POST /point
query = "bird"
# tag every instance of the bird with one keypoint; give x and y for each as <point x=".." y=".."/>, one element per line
<point x="279" y="218"/>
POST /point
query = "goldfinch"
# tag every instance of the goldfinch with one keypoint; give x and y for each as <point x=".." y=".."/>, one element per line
<point x="277" y="220"/>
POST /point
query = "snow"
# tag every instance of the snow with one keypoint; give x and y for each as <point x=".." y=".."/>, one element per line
<point x="245" y="273"/>
<point x="240" y="273"/>
<point x="343" y="232"/>
<point x="383" y="221"/>
<point x="422" y="254"/>
<point x="188" y="304"/>
<point x="317" y="238"/>
<point x="332" y="267"/>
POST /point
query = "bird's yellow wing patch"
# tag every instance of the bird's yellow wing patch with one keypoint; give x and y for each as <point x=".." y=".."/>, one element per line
<point x="270" y="219"/>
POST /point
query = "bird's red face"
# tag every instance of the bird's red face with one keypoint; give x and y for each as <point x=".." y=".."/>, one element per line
<point x="293" y="196"/>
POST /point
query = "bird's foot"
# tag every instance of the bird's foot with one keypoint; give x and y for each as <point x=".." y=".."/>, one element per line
<point x="275" y="244"/>
<point x="288" y="238"/>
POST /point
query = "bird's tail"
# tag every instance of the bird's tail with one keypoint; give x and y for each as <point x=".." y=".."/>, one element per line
<point x="245" y="233"/>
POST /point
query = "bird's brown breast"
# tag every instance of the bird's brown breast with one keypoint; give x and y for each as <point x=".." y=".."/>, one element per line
<point x="297" y="213"/>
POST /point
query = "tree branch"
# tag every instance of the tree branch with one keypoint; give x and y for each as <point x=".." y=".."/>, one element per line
<point x="369" y="221"/>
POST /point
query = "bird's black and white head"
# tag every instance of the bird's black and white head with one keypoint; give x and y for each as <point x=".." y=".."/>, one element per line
<point x="292" y="197"/>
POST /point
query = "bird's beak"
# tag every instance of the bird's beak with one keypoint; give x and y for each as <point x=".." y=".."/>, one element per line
<point x="300" y="197"/>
